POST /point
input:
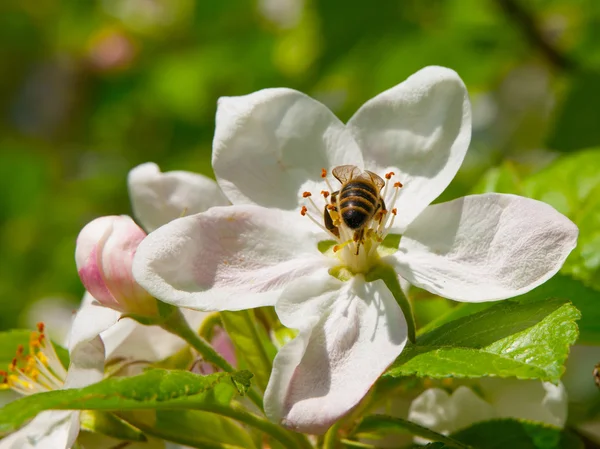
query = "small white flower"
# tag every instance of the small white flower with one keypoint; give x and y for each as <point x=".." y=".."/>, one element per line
<point x="156" y="199"/>
<point x="40" y="370"/>
<point x="501" y="398"/>
<point x="271" y="147"/>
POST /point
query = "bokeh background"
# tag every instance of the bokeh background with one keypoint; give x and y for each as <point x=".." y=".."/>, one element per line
<point x="89" y="89"/>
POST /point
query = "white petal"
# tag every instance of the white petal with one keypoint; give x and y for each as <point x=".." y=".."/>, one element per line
<point x="228" y="258"/>
<point x="49" y="430"/>
<point x="91" y="319"/>
<point x="485" y="247"/>
<point x="157" y="198"/>
<point x="271" y="145"/>
<point x="337" y="356"/>
<point x="87" y="364"/>
<point x="527" y="399"/>
<point x="445" y="413"/>
<point x="420" y="130"/>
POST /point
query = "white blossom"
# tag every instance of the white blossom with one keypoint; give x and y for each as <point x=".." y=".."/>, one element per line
<point x="271" y="150"/>
<point x="499" y="398"/>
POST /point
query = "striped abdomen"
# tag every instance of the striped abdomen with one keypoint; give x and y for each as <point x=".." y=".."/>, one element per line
<point x="358" y="202"/>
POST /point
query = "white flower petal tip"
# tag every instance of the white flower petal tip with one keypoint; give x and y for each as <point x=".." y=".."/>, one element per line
<point x="87" y="364"/>
<point x="157" y="198"/>
<point x="104" y="255"/>
<point x="277" y="140"/>
<point x="228" y="258"/>
<point x="419" y="129"/>
<point x="485" y="247"/>
<point x="443" y="412"/>
<point x="350" y="332"/>
<point x="91" y="320"/>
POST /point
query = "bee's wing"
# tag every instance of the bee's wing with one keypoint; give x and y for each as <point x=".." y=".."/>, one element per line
<point x="376" y="179"/>
<point x="344" y="173"/>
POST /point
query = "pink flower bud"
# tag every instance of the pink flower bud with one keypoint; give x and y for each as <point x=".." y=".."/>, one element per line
<point x="104" y="257"/>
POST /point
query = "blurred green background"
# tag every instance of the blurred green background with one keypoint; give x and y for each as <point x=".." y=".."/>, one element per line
<point x="89" y="89"/>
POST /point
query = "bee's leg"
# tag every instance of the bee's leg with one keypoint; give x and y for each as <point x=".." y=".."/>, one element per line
<point x="358" y="238"/>
<point x="331" y="227"/>
<point x="382" y="210"/>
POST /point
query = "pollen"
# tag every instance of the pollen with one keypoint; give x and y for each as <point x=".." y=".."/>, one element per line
<point x="337" y="210"/>
<point x="36" y="370"/>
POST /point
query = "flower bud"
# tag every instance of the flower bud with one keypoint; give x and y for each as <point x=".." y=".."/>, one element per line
<point x="104" y="256"/>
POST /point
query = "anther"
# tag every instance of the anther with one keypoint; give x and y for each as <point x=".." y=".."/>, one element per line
<point x="325" y="193"/>
<point x="323" y="173"/>
<point x="394" y="211"/>
<point x="303" y="211"/>
<point x="306" y="194"/>
<point x="330" y="207"/>
<point x="398" y="185"/>
<point x="389" y="175"/>
<point x="40" y="327"/>
<point x="20" y="350"/>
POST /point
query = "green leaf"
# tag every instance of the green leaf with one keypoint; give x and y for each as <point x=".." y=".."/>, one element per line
<point x="191" y="428"/>
<point x="382" y="424"/>
<point x="108" y="424"/>
<point x="513" y="434"/>
<point x="253" y="349"/>
<point x="154" y="389"/>
<point x="528" y="341"/>
<point x="585" y="299"/>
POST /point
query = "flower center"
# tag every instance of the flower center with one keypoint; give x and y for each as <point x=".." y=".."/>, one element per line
<point x="358" y="216"/>
<point x="37" y="371"/>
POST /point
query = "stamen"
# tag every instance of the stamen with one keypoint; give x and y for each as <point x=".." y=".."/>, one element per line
<point x="38" y="370"/>
<point x="336" y="248"/>
<point x="390" y="224"/>
<point x="319" y="225"/>
<point x="316" y="208"/>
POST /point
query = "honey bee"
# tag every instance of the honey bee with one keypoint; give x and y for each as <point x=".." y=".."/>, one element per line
<point x="357" y="201"/>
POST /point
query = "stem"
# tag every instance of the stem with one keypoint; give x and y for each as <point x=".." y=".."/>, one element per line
<point x="331" y="437"/>
<point x="177" y="325"/>
<point x="235" y="411"/>
<point x="153" y="431"/>
<point x="523" y="18"/>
